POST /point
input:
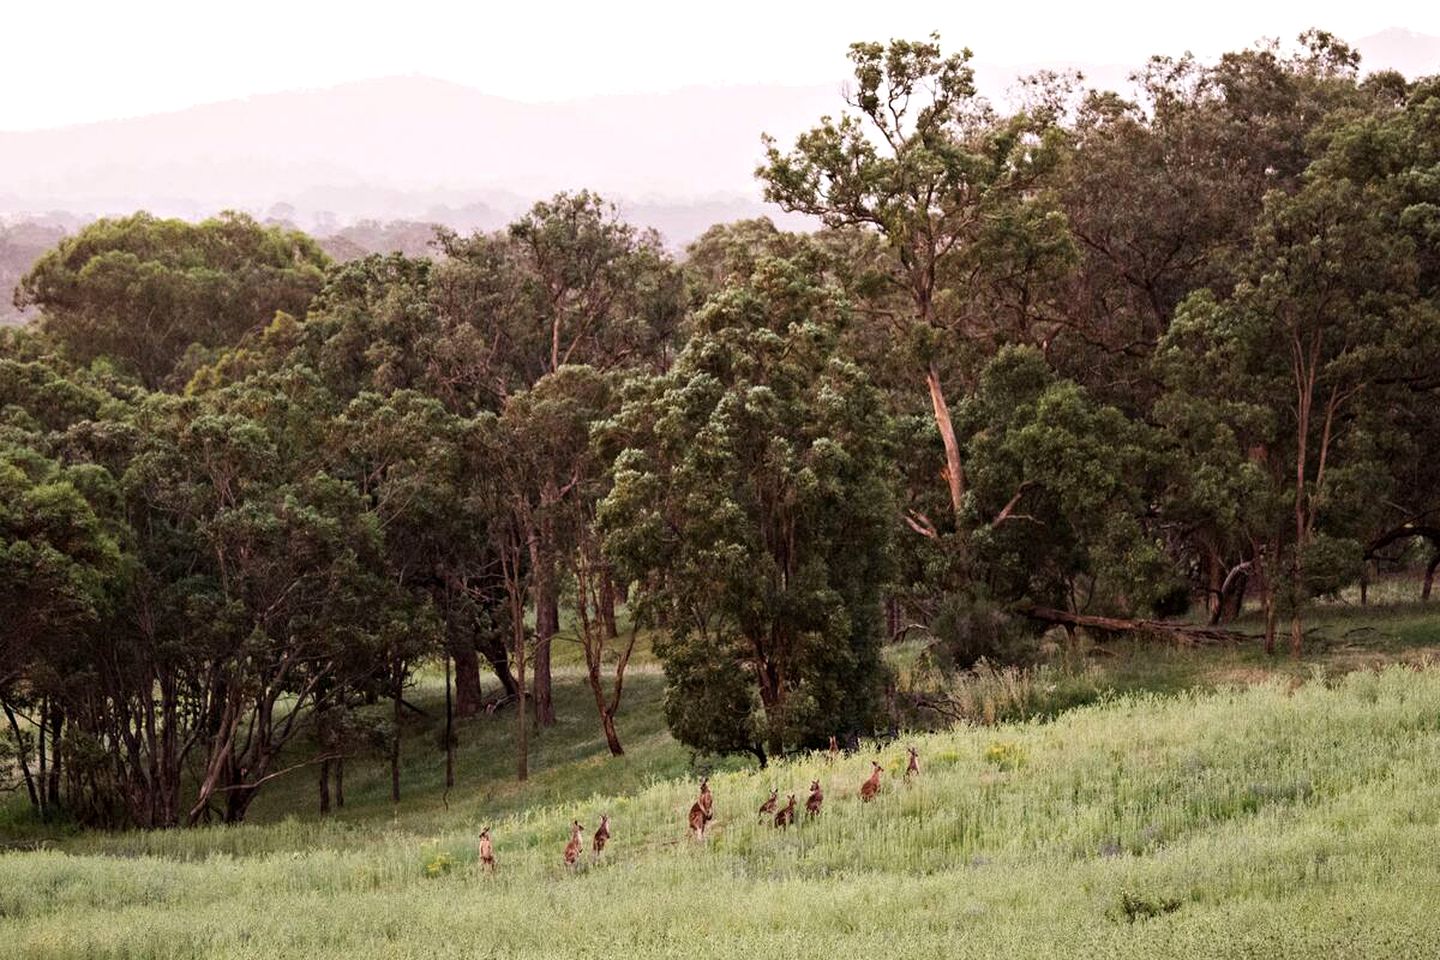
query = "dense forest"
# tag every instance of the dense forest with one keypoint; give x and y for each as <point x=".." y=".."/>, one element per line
<point x="1146" y="358"/>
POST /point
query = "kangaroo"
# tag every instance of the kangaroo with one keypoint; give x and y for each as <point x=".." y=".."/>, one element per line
<point x="812" y="803"/>
<point x="871" y="786"/>
<point x="487" y="851"/>
<point x="573" y="848"/>
<point x="702" y="811"/>
<point x="786" y="816"/>
<point x="834" y="750"/>
<point x="913" y="768"/>
<point x="602" y="834"/>
<point x="768" y="807"/>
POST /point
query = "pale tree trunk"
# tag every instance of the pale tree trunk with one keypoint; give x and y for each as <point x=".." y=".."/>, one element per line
<point x="954" y="474"/>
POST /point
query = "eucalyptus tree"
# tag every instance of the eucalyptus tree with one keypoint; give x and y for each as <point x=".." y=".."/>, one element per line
<point x="956" y="192"/>
<point x="568" y="284"/>
<point x="143" y="291"/>
<point x="1332" y="314"/>
<point x="751" y="505"/>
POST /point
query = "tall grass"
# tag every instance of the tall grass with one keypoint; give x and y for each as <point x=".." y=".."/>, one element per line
<point x="1276" y="821"/>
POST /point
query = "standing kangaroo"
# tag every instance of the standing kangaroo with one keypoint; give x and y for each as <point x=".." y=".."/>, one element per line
<point x="834" y="750"/>
<point x="871" y="786"/>
<point x="602" y="834"/>
<point x="487" y="851"/>
<point x="786" y="816"/>
<point x="768" y="807"/>
<point x="573" y="848"/>
<point x="702" y="811"/>
<point x="812" y="803"/>
<point x="913" y="768"/>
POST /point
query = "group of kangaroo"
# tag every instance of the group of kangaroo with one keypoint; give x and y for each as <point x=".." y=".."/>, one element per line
<point x="702" y="811"/>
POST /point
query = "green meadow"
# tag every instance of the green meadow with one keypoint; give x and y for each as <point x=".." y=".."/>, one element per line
<point x="1249" y="808"/>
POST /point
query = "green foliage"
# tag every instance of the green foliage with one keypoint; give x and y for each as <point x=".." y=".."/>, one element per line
<point x="142" y="291"/>
<point x="751" y="505"/>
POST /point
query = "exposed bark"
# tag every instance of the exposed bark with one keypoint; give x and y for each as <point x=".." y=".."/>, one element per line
<point x="954" y="473"/>
<point x="1429" y="576"/>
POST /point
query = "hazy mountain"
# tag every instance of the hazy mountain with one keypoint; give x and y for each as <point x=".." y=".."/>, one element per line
<point x="1413" y="54"/>
<point x="415" y="148"/>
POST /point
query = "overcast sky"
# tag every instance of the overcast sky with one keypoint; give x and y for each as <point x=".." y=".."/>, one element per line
<point x="88" y="60"/>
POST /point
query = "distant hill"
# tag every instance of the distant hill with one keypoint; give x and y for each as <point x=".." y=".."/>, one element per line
<point x="414" y="147"/>
<point x="420" y="149"/>
<point x="1413" y="54"/>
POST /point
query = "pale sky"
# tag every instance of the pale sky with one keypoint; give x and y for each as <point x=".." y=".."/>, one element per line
<point x="86" y="60"/>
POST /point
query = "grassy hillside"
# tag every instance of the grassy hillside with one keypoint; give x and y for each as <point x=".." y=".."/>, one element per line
<point x="1280" y="819"/>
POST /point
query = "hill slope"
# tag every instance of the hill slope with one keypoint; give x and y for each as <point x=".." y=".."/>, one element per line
<point x="1278" y="820"/>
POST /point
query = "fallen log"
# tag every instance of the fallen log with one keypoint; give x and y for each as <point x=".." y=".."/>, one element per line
<point x="1189" y="634"/>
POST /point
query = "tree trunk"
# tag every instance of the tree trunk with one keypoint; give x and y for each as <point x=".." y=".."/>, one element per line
<point x="547" y="624"/>
<point x="20" y="753"/>
<point x="449" y="730"/>
<point x="395" y="742"/>
<point x="43" y="759"/>
<point x="510" y="560"/>
<point x="340" y="783"/>
<point x="57" y="725"/>
<point x="1429" y="576"/>
<point x="493" y="646"/>
<point x="1214" y="594"/>
<point x="1268" y="602"/>
<point x="467" y="678"/>
<point x="954" y="474"/>
<point x="607" y="605"/>
<point x="324" y="787"/>
<point x="612" y="738"/>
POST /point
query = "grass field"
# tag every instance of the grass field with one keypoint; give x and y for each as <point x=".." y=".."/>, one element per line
<point x="1242" y="807"/>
